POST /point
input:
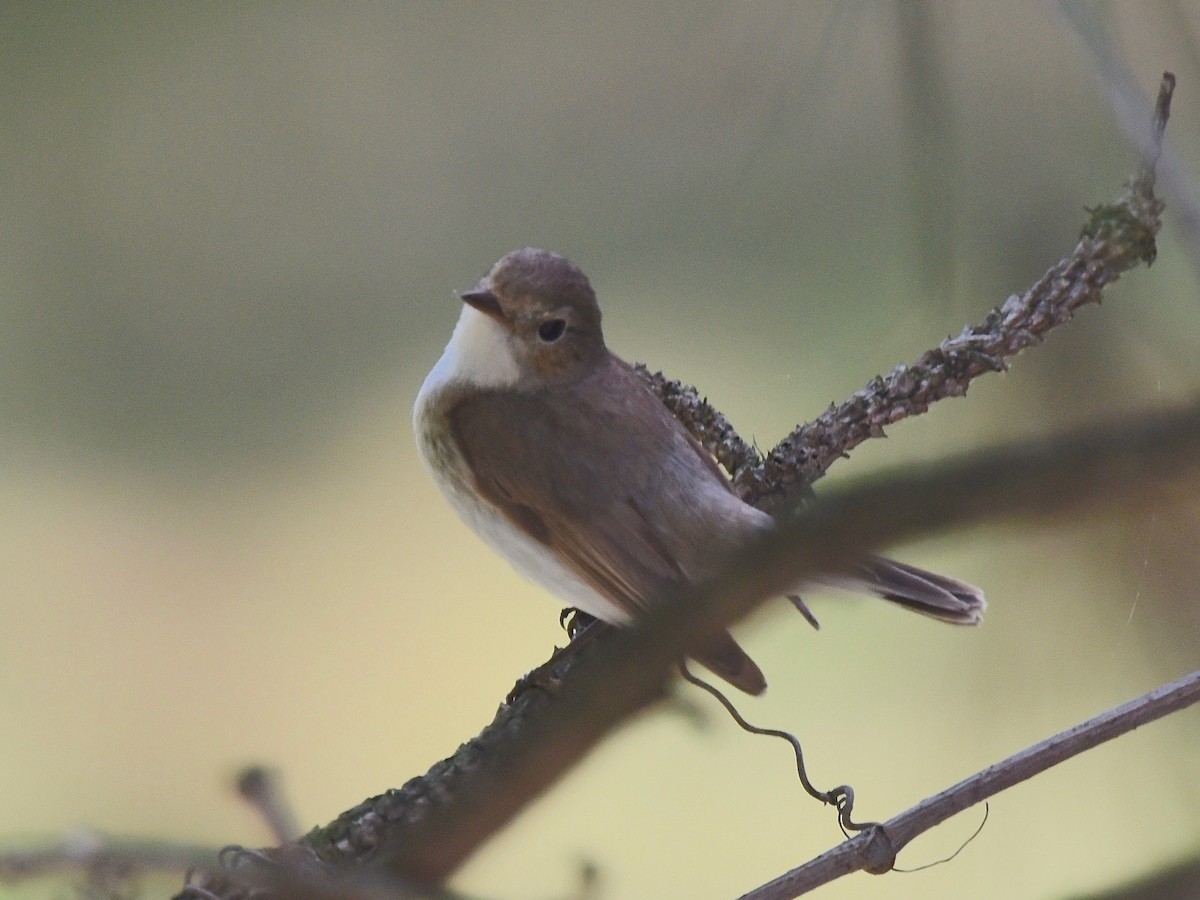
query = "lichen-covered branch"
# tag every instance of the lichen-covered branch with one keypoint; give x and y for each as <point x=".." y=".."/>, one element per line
<point x="706" y="424"/>
<point x="1117" y="237"/>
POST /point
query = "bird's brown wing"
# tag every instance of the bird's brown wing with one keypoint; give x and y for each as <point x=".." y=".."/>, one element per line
<point x="587" y="501"/>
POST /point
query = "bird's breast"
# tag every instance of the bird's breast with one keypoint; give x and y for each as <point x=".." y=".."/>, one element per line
<point x="531" y="558"/>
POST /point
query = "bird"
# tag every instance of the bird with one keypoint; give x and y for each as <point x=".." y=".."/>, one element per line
<point x="555" y="452"/>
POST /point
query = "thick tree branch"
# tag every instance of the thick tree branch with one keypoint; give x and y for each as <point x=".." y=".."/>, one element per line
<point x="425" y="830"/>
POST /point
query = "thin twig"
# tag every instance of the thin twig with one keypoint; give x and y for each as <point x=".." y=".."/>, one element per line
<point x="875" y="850"/>
<point x="262" y="789"/>
<point x="1129" y="104"/>
<point x="90" y="851"/>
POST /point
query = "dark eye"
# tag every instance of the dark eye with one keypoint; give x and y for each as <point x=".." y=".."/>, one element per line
<point x="552" y="329"/>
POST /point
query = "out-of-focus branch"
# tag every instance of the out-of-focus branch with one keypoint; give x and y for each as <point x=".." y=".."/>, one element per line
<point x="425" y="830"/>
<point x="88" y="851"/>
<point x="875" y="849"/>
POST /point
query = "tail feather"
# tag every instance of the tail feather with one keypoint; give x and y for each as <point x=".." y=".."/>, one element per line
<point x="725" y="658"/>
<point x="928" y="593"/>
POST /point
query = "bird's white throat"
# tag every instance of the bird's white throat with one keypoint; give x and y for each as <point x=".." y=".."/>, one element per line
<point x="479" y="355"/>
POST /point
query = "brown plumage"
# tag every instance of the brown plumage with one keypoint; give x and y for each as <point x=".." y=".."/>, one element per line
<point x="554" y="450"/>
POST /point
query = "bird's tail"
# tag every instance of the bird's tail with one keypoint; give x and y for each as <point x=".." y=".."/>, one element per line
<point x="725" y="658"/>
<point x="925" y="592"/>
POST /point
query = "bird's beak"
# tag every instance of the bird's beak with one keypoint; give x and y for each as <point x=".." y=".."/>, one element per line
<point x="482" y="298"/>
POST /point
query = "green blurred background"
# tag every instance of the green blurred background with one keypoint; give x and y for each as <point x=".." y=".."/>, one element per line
<point x="230" y="240"/>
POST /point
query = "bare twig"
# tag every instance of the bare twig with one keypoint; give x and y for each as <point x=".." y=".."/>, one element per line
<point x="261" y="788"/>
<point x="89" y="851"/>
<point x="875" y="850"/>
<point x="1129" y="105"/>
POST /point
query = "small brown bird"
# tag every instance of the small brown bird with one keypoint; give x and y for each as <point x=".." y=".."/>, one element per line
<point x="554" y="451"/>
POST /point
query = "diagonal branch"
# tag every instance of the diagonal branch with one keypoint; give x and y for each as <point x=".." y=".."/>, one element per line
<point x="1118" y="237"/>
<point x="875" y="850"/>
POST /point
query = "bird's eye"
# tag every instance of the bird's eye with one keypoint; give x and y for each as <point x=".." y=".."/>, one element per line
<point x="552" y="329"/>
